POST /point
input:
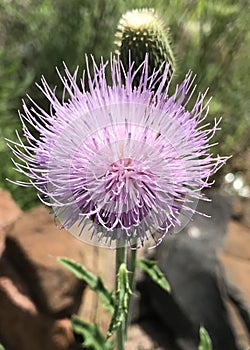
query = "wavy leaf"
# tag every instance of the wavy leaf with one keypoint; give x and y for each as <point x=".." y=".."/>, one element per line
<point x="152" y="269"/>
<point x="93" y="338"/>
<point x="205" y="340"/>
<point x="94" y="282"/>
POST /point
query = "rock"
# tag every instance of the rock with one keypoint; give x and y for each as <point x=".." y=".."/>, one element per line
<point x="235" y="260"/>
<point x="22" y="325"/>
<point x="210" y="230"/>
<point x="241" y="332"/>
<point x="9" y="212"/>
<point x="246" y="211"/>
<point x="237" y="241"/>
<point x="32" y="246"/>
<point x="189" y="261"/>
<point x="241" y="209"/>
<point x="137" y="339"/>
<point x="38" y="294"/>
<point x="101" y="262"/>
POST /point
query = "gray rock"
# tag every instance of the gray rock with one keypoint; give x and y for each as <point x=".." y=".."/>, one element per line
<point x="189" y="261"/>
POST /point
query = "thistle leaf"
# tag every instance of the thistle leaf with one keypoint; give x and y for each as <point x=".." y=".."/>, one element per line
<point x="151" y="268"/>
<point x="205" y="340"/>
<point x="94" y="282"/>
<point x="92" y="336"/>
<point x="121" y="300"/>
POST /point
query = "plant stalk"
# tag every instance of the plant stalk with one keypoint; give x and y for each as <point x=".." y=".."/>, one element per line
<point x="131" y="269"/>
<point x="121" y="257"/>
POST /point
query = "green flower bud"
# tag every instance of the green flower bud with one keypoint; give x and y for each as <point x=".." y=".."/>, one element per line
<point x="142" y="31"/>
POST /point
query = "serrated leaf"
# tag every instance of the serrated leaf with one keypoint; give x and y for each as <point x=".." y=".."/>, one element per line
<point x="94" y="282"/>
<point x="92" y="336"/>
<point x="205" y="340"/>
<point x="152" y="269"/>
<point x="121" y="300"/>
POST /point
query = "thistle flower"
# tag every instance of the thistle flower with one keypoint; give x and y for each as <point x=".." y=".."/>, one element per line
<point x="118" y="164"/>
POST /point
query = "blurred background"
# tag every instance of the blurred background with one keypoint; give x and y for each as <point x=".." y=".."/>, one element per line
<point x="208" y="265"/>
<point x="211" y="38"/>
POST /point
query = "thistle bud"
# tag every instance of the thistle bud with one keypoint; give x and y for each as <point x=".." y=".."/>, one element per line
<point x="142" y="31"/>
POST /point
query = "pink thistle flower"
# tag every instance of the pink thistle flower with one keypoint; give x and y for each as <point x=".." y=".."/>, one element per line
<point x="118" y="164"/>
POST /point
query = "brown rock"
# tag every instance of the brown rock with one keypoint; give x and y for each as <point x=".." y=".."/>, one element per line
<point x="9" y="212"/>
<point x="237" y="241"/>
<point x="13" y="287"/>
<point x="139" y="339"/>
<point x="241" y="209"/>
<point x="235" y="260"/>
<point x="237" y="273"/>
<point x="246" y="212"/>
<point x="22" y="326"/>
<point x="240" y="329"/>
<point x="32" y="246"/>
<point x="62" y="334"/>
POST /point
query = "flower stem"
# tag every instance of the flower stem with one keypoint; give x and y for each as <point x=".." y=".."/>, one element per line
<point x="131" y="268"/>
<point x="121" y="257"/>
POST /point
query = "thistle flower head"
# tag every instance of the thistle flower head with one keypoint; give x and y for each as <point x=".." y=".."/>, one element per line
<point x="118" y="164"/>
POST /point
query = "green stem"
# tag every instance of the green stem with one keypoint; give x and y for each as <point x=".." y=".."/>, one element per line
<point x="131" y="269"/>
<point x="121" y="333"/>
<point x="121" y="257"/>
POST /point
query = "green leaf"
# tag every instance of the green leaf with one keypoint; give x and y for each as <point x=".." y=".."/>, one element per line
<point x="1" y="347"/>
<point x="151" y="268"/>
<point x="92" y="336"/>
<point x="205" y="340"/>
<point x="121" y="300"/>
<point x="94" y="282"/>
